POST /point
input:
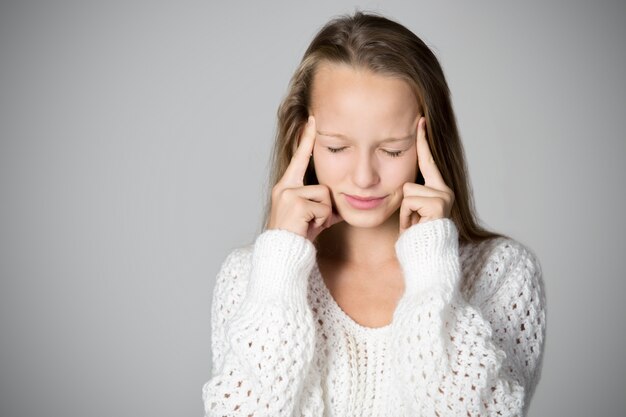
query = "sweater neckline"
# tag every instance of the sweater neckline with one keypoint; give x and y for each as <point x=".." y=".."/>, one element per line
<point x="341" y="315"/>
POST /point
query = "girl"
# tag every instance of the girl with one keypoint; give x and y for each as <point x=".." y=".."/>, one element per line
<point x="373" y="291"/>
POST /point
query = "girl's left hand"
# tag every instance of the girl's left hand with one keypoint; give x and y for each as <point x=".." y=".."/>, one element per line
<point x="434" y="199"/>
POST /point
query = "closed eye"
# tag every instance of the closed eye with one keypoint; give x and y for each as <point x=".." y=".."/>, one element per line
<point x="335" y="150"/>
<point x="393" y="154"/>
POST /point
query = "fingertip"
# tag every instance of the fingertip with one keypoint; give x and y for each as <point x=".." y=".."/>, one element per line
<point x="309" y="128"/>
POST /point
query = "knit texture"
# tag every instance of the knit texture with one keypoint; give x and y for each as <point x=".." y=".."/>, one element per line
<point x="466" y="338"/>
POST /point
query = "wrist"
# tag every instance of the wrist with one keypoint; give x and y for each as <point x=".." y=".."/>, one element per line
<point x="428" y="254"/>
<point x="281" y="263"/>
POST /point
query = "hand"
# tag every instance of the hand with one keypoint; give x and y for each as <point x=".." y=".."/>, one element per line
<point x="305" y="210"/>
<point x="434" y="199"/>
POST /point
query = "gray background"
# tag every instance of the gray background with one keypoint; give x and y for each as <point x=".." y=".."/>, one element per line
<point x="133" y="157"/>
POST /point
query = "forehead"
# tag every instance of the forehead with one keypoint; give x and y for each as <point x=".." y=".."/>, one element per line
<point x="362" y="103"/>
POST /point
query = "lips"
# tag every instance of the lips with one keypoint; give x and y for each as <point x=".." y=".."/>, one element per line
<point x="364" y="203"/>
<point x="356" y="197"/>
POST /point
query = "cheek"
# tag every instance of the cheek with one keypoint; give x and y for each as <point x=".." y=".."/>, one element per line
<point x="327" y="167"/>
<point x="399" y="172"/>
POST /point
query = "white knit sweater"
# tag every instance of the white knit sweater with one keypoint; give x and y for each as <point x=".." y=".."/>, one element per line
<point x="466" y="337"/>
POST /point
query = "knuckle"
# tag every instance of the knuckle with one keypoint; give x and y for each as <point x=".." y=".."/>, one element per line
<point x="442" y="203"/>
<point x="276" y="191"/>
<point x="285" y="196"/>
<point x="447" y="195"/>
<point x="323" y="187"/>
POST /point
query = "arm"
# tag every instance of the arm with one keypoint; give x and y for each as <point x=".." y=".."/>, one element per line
<point x="262" y="348"/>
<point x="453" y="358"/>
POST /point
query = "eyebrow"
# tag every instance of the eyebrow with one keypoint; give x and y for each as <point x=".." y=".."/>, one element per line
<point x="339" y="135"/>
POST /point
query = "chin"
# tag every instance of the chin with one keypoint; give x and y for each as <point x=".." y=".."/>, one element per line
<point x="364" y="218"/>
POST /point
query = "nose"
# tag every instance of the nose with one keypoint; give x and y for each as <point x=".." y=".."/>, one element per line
<point x="365" y="172"/>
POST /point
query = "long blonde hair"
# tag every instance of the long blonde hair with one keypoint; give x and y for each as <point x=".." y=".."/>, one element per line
<point x="385" y="47"/>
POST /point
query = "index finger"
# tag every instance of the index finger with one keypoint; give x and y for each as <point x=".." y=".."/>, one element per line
<point x="294" y="174"/>
<point x="425" y="160"/>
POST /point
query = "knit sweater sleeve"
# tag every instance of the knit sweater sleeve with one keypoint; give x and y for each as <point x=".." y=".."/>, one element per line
<point x="262" y="331"/>
<point x="454" y="358"/>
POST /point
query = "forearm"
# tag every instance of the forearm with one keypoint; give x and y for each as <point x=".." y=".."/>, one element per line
<point x="444" y="349"/>
<point x="269" y="341"/>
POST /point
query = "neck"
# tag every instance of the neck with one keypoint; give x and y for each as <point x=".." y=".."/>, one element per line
<point x="360" y="246"/>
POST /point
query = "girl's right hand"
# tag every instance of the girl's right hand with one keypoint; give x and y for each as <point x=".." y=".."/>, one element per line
<point x="305" y="210"/>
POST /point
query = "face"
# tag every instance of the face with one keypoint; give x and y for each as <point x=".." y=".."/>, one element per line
<point x="356" y="113"/>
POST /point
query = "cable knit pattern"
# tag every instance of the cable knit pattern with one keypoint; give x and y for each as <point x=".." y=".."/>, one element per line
<point x="466" y="337"/>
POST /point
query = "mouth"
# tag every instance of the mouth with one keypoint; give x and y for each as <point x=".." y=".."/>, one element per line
<point x="364" y="203"/>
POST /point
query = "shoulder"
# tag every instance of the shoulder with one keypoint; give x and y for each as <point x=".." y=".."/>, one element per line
<point x="499" y="265"/>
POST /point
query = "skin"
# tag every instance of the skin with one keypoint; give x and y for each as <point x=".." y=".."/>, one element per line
<point x="366" y="108"/>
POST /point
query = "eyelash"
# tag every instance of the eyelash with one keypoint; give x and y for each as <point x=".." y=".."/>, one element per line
<point x="394" y="154"/>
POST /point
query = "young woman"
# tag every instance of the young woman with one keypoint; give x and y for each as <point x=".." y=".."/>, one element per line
<point x="372" y="290"/>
